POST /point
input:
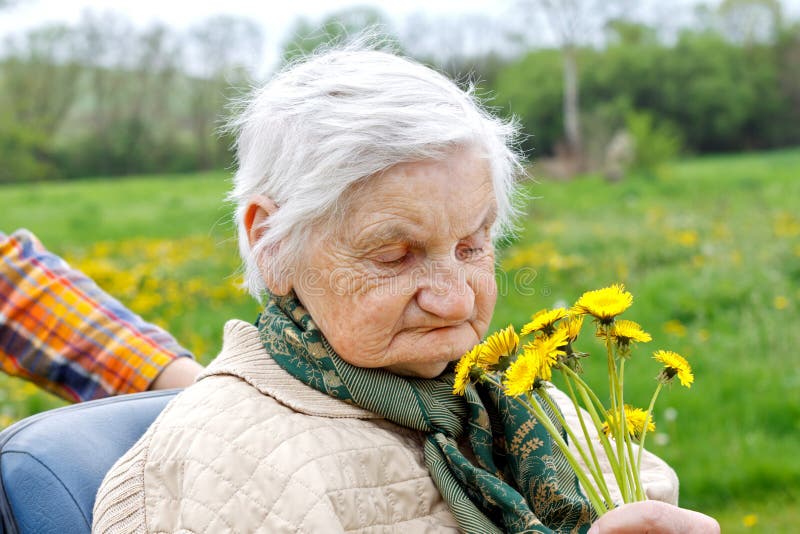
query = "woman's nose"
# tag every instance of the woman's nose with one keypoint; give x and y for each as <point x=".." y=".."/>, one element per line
<point x="448" y="295"/>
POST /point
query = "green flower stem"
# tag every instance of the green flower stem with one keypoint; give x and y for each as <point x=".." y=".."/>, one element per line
<point x="589" y="399"/>
<point x="612" y="372"/>
<point x="591" y="493"/>
<point x="598" y="469"/>
<point x="633" y="472"/>
<point x="533" y="407"/>
<point x="630" y="464"/>
<point x="585" y="387"/>
<point x="594" y="469"/>
<point x="644" y="431"/>
<point x="619" y="412"/>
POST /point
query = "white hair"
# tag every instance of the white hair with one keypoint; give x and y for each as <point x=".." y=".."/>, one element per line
<point x="326" y="123"/>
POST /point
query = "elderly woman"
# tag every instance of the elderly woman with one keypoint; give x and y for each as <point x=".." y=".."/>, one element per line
<point x="368" y="193"/>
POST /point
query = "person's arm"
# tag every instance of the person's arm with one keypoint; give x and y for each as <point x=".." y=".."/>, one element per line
<point x="179" y="373"/>
<point x="59" y="330"/>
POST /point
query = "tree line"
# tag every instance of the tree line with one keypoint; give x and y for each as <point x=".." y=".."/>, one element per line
<point x="103" y="98"/>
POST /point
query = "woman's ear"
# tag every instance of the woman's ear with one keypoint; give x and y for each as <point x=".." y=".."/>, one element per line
<point x="256" y="221"/>
<point x="259" y="210"/>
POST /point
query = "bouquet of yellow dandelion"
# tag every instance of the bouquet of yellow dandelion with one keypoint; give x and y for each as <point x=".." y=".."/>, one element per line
<point x="523" y="372"/>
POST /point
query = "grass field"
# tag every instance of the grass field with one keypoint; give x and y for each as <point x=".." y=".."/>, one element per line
<point x="710" y="250"/>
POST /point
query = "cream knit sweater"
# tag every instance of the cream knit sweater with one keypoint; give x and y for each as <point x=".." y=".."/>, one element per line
<point x="249" y="448"/>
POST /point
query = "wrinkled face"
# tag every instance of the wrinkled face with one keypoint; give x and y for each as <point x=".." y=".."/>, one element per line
<point x="407" y="283"/>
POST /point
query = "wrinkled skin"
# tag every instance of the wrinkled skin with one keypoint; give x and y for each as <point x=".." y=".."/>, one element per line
<point x="654" y="517"/>
<point x="407" y="282"/>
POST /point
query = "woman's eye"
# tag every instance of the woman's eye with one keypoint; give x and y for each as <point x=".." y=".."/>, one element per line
<point x="465" y="253"/>
<point x="393" y="258"/>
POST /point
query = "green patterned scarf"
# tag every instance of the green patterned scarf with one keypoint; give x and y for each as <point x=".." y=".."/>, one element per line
<point x="521" y="483"/>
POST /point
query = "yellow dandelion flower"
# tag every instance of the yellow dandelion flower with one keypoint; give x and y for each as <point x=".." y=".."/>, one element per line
<point x="750" y="520"/>
<point x="624" y="332"/>
<point x="634" y="422"/>
<point x="571" y="326"/>
<point x="521" y="376"/>
<point x="500" y="344"/>
<point x="551" y="344"/>
<point x="674" y="364"/>
<point x="604" y="304"/>
<point x="546" y="350"/>
<point x="464" y="369"/>
<point x="543" y="320"/>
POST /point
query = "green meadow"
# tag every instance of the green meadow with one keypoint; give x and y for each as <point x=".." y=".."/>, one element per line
<point x="710" y="249"/>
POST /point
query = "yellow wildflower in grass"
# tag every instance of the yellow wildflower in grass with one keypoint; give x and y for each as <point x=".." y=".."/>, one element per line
<point x="780" y="302"/>
<point x="674" y="364"/>
<point x="502" y="343"/>
<point x="464" y="369"/>
<point x="686" y="238"/>
<point x="604" y="304"/>
<point x="524" y="374"/>
<point x="543" y="320"/>
<point x="786" y="225"/>
<point x="634" y="422"/>
<point x="624" y="332"/>
<point x="6" y="420"/>
<point x="750" y="520"/>
<point x="542" y="254"/>
<point x="675" y="327"/>
<point x="571" y="326"/>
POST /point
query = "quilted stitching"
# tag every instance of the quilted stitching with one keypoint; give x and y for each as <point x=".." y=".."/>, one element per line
<point x="361" y="473"/>
<point x="248" y="449"/>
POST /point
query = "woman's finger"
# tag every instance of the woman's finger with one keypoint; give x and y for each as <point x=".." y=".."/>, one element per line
<point x="654" y="517"/>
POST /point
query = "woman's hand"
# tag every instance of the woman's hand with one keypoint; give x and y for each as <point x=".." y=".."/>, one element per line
<point x="654" y="517"/>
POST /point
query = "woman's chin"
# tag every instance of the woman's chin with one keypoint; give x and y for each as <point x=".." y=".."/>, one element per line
<point x="427" y="355"/>
<point x="418" y="369"/>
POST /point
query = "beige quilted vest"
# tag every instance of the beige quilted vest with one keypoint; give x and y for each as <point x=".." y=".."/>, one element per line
<point x="249" y="448"/>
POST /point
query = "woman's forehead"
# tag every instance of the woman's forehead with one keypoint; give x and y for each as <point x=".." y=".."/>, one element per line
<point x="456" y="191"/>
<point x="418" y="202"/>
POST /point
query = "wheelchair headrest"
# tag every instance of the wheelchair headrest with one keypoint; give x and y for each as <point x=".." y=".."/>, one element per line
<point x="52" y="464"/>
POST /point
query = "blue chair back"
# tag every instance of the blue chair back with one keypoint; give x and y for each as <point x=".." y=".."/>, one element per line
<point x="52" y="463"/>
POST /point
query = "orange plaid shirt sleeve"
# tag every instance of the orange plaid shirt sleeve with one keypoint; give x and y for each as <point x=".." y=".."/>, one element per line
<point x="59" y="330"/>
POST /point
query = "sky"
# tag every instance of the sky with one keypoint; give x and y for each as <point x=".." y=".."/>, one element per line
<point x="275" y="17"/>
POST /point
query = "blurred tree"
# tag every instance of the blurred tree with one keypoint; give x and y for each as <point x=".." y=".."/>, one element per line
<point x="36" y="63"/>
<point x="653" y="144"/>
<point x="467" y="46"/>
<point x="628" y="33"/>
<point x="107" y="55"/>
<point x="722" y="96"/>
<point x="32" y="111"/>
<point x="224" y="52"/>
<point x="25" y="153"/>
<point x="532" y="89"/>
<point x="750" y="21"/>
<point x="152" y="121"/>
<point x="337" y="28"/>
<point x="788" y="51"/>
<point x="575" y="23"/>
